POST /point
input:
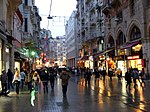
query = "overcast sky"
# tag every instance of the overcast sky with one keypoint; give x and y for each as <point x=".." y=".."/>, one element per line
<point x="62" y="9"/>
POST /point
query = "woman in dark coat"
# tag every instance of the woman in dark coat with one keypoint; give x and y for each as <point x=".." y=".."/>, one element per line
<point x="128" y="78"/>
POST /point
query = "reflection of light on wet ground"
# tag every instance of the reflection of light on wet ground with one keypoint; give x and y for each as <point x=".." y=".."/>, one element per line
<point x="141" y="96"/>
<point x="123" y="86"/>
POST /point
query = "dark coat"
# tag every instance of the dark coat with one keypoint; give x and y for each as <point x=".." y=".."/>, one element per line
<point x="128" y="77"/>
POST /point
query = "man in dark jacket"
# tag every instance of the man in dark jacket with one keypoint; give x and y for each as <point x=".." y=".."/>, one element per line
<point x="4" y="80"/>
<point x="128" y="78"/>
<point x="65" y="78"/>
<point x="10" y="79"/>
<point x="44" y="79"/>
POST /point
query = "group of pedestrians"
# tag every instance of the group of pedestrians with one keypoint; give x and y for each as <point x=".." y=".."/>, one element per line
<point x="17" y="80"/>
<point x="133" y="74"/>
<point x="10" y="79"/>
<point x="46" y="75"/>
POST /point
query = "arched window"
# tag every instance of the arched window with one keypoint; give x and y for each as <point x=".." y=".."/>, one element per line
<point x="135" y="33"/>
<point x="121" y="39"/>
<point x="111" y="42"/>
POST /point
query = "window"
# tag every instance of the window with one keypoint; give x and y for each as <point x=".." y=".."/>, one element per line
<point x="26" y="2"/>
<point x="26" y="25"/>
<point x="121" y="39"/>
<point x="135" y="33"/>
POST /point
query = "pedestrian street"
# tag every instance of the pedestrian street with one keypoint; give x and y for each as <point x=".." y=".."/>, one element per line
<point x="100" y="96"/>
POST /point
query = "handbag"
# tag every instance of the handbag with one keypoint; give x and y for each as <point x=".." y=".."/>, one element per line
<point x="16" y="81"/>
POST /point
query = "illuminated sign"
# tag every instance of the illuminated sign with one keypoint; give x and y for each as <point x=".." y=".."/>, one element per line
<point x="133" y="57"/>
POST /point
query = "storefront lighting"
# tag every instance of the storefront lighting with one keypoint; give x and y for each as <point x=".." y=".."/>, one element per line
<point x="108" y="59"/>
<point x="137" y="47"/>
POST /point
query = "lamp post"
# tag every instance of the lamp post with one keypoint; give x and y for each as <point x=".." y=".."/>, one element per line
<point x="33" y="54"/>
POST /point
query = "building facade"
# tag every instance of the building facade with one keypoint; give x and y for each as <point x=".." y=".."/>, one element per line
<point x="7" y="8"/>
<point x="61" y="51"/>
<point x="126" y="32"/>
<point x="113" y="34"/>
<point x="90" y="32"/>
<point x="30" y="34"/>
<point x="71" y="41"/>
<point x="45" y="48"/>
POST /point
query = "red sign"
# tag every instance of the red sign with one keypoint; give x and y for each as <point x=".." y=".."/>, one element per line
<point x="133" y="57"/>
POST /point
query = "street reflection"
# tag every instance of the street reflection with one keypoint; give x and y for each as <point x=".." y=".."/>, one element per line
<point x="116" y="89"/>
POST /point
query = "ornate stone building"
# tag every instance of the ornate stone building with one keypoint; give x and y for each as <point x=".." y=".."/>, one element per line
<point x="127" y="32"/>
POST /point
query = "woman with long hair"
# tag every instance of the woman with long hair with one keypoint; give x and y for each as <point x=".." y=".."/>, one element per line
<point x="16" y="80"/>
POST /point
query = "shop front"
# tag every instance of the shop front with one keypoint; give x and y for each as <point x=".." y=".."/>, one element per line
<point x="101" y="62"/>
<point x="121" y="64"/>
<point x="91" y="63"/>
<point x="136" y="62"/>
<point x="83" y="62"/>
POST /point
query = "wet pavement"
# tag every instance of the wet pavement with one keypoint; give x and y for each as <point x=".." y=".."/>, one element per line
<point x="99" y="96"/>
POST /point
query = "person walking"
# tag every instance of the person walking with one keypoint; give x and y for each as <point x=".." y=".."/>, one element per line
<point x="16" y="80"/>
<point x="110" y="73"/>
<point x="4" y="82"/>
<point x="44" y="79"/>
<point x="135" y="75"/>
<point x="10" y="76"/>
<point x="23" y="75"/>
<point x="97" y="74"/>
<point x="119" y="73"/>
<point x="128" y="79"/>
<point x="87" y="76"/>
<point x="103" y="72"/>
<point x="65" y="78"/>
<point x="35" y="80"/>
<point x="52" y="78"/>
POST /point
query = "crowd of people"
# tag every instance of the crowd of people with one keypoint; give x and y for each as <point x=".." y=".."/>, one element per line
<point x="131" y="76"/>
<point x="45" y="76"/>
<point x="32" y="80"/>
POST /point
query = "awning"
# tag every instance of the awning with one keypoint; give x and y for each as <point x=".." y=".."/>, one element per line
<point x="85" y="58"/>
<point x="130" y="44"/>
<point x="108" y="50"/>
<point x="103" y="52"/>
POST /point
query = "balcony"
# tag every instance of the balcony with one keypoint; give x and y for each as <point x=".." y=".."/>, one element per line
<point x="106" y="9"/>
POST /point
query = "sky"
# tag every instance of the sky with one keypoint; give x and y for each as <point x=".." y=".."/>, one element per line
<point x="61" y="9"/>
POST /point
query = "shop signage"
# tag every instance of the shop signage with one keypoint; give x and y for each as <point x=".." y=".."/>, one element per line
<point x="133" y="57"/>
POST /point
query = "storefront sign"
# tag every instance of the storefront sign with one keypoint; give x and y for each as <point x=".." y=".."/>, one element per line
<point x="133" y="57"/>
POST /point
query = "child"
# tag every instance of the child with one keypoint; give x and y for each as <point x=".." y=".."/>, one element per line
<point x="32" y="96"/>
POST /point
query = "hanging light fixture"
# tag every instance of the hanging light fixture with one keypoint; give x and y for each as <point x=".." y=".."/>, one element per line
<point x="49" y="17"/>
